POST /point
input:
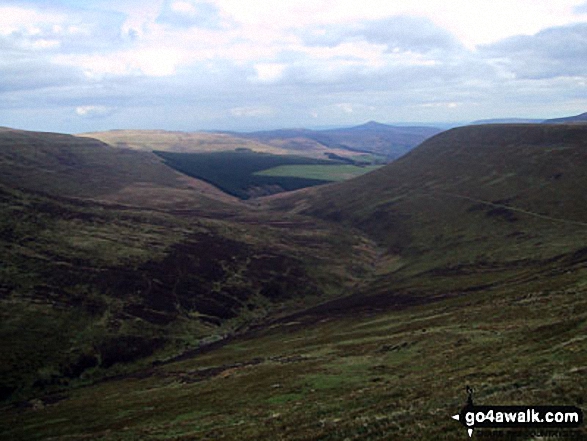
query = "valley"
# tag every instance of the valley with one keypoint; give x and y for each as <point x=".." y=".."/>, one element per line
<point x="141" y="303"/>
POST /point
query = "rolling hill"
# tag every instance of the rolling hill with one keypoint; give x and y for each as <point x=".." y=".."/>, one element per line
<point x="388" y="141"/>
<point x="577" y="119"/>
<point x="469" y="209"/>
<point x="206" y="142"/>
<point x="71" y="166"/>
<point x="357" y="310"/>
<point x="111" y="260"/>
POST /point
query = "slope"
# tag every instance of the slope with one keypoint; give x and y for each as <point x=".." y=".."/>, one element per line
<point x="204" y="142"/>
<point x="577" y="119"/>
<point x="72" y="166"/>
<point x="471" y="205"/>
<point x="489" y="229"/>
<point x="90" y="288"/>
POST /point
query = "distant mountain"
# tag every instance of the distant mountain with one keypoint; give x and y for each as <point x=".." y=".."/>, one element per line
<point x="282" y="142"/>
<point x="577" y="119"/>
<point x="506" y="121"/>
<point x="388" y="141"/>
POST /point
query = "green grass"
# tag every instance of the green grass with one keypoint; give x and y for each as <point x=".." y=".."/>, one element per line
<point x="394" y="375"/>
<point x="236" y="172"/>
<point x="89" y="290"/>
<point x="322" y="172"/>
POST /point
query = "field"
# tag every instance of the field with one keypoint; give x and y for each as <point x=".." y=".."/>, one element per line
<point x="322" y="172"/>
<point x="235" y="172"/>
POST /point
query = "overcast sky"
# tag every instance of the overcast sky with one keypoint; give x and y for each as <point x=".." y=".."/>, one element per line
<point x="83" y="65"/>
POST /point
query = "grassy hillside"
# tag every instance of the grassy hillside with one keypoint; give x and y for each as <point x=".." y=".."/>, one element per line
<point x="576" y="119"/>
<point x="90" y="288"/>
<point x="71" y="166"/>
<point x="180" y="142"/>
<point x="357" y="310"/>
<point x="397" y="375"/>
<point x="473" y="208"/>
<point x="204" y="142"/>
<point x="470" y="196"/>
<point x="322" y="172"/>
<point x="386" y="141"/>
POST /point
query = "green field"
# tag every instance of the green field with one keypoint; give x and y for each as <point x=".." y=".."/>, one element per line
<point x="235" y="172"/>
<point x="323" y="172"/>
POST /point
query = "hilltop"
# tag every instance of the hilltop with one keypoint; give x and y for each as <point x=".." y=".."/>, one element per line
<point x="372" y="138"/>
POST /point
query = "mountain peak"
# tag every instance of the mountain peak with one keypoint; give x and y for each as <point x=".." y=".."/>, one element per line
<point x="372" y="125"/>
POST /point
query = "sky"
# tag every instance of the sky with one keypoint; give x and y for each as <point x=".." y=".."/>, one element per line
<point x="87" y="65"/>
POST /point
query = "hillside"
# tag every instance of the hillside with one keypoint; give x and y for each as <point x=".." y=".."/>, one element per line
<point x="356" y="310"/>
<point x="388" y="141"/>
<point x="205" y="142"/>
<point x="71" y="166"/>
<point x="506" y="121"/>
<point x="110" y="260"/>
<point x="370" y="142"/>
<point x="477" y="200"/>
<point x="577" y="119"/>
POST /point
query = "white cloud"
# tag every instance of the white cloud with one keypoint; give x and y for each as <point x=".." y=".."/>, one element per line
<point x="27" y="20"/>
<point x="342" y="60"/>
<point x="94" y="111"/>
<point x="268" y="72"/>
<point x="252" y="112"/>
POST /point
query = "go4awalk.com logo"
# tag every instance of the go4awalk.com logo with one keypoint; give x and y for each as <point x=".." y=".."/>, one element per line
<point x="517" y="417"/>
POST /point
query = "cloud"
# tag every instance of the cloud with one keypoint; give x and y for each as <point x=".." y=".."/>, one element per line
<point x="189" y="64"/>
<point x="34" y="74"/>
<point x="190" y="13"/>
<point x="252" y="112"/>
<point x="397" y="34"/>
<point x="581" y="9"/>
<point x="94" y="111"/>
<point x="268" y="72"/>
<point x="551" y="53"/>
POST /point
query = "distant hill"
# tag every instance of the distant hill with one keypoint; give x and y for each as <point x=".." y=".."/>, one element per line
<point x="206" y="142"/>
<point x="507" y="121"/>
<point x="66" y="165"/>
<point x="577" y="119"/>
<point x="179" y="142"/>
<point x="368" y="143"/>
<point x="388" y="141"/>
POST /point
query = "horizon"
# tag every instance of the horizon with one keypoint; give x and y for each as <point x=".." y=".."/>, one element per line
<point x="409" y="124"/>
<point x="221" y="65"/>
